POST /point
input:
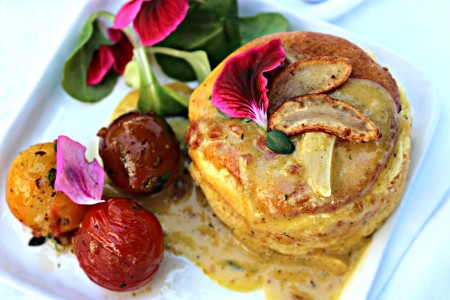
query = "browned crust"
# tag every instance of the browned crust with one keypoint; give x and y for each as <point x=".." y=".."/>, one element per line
<point x="310" y="44"/>
<point x="201" y="110"/>
<point x="336" y="232"/>
<point x="222" y="181"/>
<point x="319" y="44"/>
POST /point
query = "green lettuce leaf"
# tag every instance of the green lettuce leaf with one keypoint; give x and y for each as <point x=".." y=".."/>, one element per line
<point x="211" y="26"/>
<point x="153" y="96"/>
<point x="75" y="69"/>
<point x="198" y="60"/>
<point x="262" y="24"/>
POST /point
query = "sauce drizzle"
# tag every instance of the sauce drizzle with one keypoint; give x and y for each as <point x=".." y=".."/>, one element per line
<point x="192" y="230"/>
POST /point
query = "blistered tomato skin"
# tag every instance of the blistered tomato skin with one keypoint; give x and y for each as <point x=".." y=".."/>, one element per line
<point x="119" y="245"/>
<point x="140" y="153"/>
<point x="32" y="198"/>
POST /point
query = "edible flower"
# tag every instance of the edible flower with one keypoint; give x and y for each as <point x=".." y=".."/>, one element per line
<point x="80" y="180"/>
<point x="107" y="56"/>
<point x="240" y="90"/>
<point x="153" y="20"/>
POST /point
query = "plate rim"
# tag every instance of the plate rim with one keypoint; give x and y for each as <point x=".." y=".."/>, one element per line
<point x="27" y="109"/>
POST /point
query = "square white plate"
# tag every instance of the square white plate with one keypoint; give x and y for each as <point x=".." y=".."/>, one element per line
<point x="50" y="112"/>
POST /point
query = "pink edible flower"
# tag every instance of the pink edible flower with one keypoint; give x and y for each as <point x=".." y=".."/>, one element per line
<point x="80" y="180"/>
<point x="107" y="56"/>
<point x="240" y="89"/>
<point x="153" y="20"/>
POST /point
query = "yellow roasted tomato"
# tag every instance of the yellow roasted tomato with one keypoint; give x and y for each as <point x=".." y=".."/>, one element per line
<point x="32" y="198"/>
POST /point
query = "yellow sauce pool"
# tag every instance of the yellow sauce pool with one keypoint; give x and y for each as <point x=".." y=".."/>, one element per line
<point x="192" y="230"/>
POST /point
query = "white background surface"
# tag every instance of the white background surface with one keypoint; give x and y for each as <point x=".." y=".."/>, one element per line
<point x="417" y="29"/>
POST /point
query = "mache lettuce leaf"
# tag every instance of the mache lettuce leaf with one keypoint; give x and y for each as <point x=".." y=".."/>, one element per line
<point x="261" y="24"/>
<point x="74" y="78"/>
<point x="211" y="26"/>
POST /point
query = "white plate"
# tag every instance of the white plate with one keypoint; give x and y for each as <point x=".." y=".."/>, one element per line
<point x="50" y="112"/>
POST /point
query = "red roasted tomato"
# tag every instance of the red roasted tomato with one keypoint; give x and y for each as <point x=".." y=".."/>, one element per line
<point x="140" y="153"/>
<point x="119" y="244"/>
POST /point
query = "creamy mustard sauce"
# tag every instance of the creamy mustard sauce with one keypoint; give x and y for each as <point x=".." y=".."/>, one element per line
<point x="192" y="230"/>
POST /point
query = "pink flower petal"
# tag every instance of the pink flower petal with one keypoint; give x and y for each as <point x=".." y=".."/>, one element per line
<point x="127" y="13"/>
<point x="158" y="18"/>
<point x="101" y="62"/>
<point x="81" y="181"/>
<point x="240" y="89"/>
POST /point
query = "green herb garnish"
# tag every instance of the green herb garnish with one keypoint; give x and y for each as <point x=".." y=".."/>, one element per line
<point x="51" y="176"/>
<point x="279" y="142"/>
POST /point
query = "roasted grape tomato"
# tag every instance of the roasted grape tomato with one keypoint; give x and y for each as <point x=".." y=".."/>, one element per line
<point x="31" y="196"/>
<point x="140" y="153"/>
<point x="119" y="244"/>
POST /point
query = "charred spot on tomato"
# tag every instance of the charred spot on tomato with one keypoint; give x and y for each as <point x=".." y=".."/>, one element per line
<point x="38" y="182"/>
<point x="122" y="286"/>
<point x="136" y="207"/>
<point x="37" y="241"/>
<point x="137" y="149"/>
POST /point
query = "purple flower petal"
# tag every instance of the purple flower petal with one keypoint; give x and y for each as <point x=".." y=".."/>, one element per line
<point x="127" y="13"/>
<point x="240" y="89"/>
<point x="158" y="18"/>
<point x="81" y="181"/>
<point x="101" y="62"/>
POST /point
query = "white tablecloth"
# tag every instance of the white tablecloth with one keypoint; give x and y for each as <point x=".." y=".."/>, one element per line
<point x="413" y="267"/>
